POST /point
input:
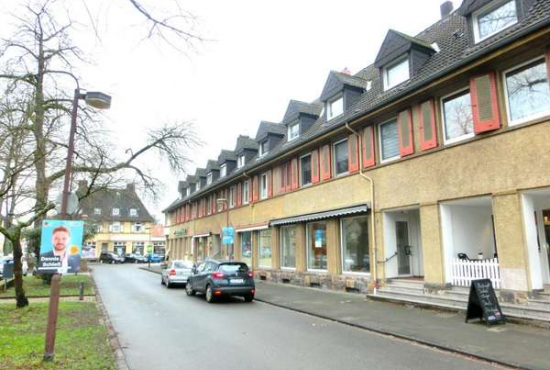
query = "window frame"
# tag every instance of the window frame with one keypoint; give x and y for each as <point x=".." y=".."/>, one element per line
<point x="223" y="170"/>
<point x="232" y="196"/>
<point x="486" y="10"/>
<point x="209" y="178"/>
<point x="308" y="240"/>
<point x="310" y="171"/>
<point x="398" y="61"/>
<point x="290" y="127"/>
<point x="97" y="211"/>
<point x="241" y="160"/>
<point x="270" y="248"/>
<point x="264" y="192"/>
<point x="141" y="226"/>
<point x="119" y="224"/>
<point x="329" y="109"/>
<point x="443" y="122"/>
<point x="533" y="117"/>
<point x="281" y="249"/>
<point x="133" y="212"/>
<point x="117" y="213"/>
<point x="344" y="272"/>
<point x="261" y="150"/>
<point x="246" y="188"/>
<point x="380" y="143"/>
<point x="334" y="158"/>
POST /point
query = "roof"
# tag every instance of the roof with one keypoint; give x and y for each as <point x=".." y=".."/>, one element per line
<point x="396" y="44"/>
<point x="226" y="155"/>
<point x="450" y="34"/>
<point x="267" y="128"/>
<point x="295" y="108"/>
<point x="245" y="142"/>
<point x="182" y="185"/>
<point x="200" y="172"/>
<point x="212" y="165"/>
<point x="337" y="80"/>
<point x="469" y="6"/>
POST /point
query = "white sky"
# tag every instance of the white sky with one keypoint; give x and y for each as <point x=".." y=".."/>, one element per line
<point x="263" y="54"/>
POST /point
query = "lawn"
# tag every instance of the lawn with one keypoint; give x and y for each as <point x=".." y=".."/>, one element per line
<point x="81" y="340"/>
<point x="36" y="287"/>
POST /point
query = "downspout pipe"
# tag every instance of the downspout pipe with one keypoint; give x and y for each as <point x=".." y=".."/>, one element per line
<point x="371" y="186"/>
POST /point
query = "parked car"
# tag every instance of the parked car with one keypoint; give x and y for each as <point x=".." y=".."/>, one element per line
<point x="221" y="278"/>
<point x="110" y="257"/>
<point x="154" y="258"/>
<point x="175" y="272"/>
<point x="135" y="258"/>
<point x="9" y="260"/>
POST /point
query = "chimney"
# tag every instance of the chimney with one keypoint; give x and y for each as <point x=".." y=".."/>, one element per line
<point x="446" y="9"/>
<point x="131" y="187"/>
<point x="346" y="71"/>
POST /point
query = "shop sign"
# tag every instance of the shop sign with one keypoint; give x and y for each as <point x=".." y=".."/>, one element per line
<point x="180" y="232"/>
<point x="228" y="235"/>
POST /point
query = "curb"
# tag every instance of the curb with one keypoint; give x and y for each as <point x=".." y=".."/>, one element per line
<point x="150" y="270"/>
<point x="120" y="358"/>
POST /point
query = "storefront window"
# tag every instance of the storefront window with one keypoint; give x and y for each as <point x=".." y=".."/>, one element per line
<point x="264" y="248"/>
<point x="355" y="245"/>
<point x="317" y="245"/>
<point x="138" y="248"/>
<point x="200" y="248"/>
<point x="288" y="250"/>
<point x="246" y="248"/>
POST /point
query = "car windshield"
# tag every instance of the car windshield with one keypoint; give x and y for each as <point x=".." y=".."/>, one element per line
<point x="234" y="267"/>
<point x="183" y="265"/>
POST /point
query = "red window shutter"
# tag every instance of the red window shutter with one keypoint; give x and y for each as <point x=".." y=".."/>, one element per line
<point x="353" y="153"/>
<point x="282" y="185"/>
<point x="270" y="183"/>
<point x="325" y="162"/>
<point x="294" y="173"/>
<point x="255" y="189"/>
<point x="404" y="132"/>
<point x="288" y="176"/>
<point x="239" y="195"/>
<point x="315" y="177"/>
<point x="426" y="125"/>
<point x="483" y="93"/>
<point x="369" y="158"/>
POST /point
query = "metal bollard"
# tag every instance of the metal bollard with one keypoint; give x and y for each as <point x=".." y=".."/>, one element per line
<point x="81" y="292"/>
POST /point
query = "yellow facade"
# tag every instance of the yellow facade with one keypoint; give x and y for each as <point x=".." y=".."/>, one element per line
<point x="105" y="240"/>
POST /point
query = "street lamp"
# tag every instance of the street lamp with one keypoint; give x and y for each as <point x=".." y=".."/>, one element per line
<point x="96" y="100"/>
<point x="225" y="202"/>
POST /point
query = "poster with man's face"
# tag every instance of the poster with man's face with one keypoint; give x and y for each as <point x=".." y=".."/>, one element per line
<point x="61" y="246"/>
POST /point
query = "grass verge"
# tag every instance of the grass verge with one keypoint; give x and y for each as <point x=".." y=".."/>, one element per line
<point x="36" y="287"/>
<point x="81" y="340"/>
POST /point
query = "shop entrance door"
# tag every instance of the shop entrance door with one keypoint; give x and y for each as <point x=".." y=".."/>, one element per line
<point x="403" y="248"/>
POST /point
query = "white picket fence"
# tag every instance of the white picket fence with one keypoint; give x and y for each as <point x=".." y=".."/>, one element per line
<point x="464" y="271"/>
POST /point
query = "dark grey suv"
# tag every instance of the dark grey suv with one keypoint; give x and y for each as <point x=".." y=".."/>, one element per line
<point x="221" y="278"/>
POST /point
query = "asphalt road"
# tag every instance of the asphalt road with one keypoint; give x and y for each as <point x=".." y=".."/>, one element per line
<point x="163" y="329"/>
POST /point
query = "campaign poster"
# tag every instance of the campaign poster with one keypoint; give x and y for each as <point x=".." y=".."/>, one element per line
<point x="61" y="246"/>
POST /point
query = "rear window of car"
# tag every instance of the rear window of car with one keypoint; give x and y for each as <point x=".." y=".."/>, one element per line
<point x="234" y="267"/>
<point x="183" y="265"/>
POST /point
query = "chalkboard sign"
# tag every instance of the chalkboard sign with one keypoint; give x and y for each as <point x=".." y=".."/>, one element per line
<point x="483" y="303"/>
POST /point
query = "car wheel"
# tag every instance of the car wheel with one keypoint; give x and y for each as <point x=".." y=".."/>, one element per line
<point x="135" y="261"/>
<point x="100" y="261"/>
<point x="249" y="297"/>
<point x="161" y="280"/>
<point x="209" y="294"/>
<point x="189" y="289"/>
<point x="168" y="285"/>
<point x="112" y="262"/>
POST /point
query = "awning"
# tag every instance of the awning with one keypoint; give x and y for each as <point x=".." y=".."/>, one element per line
<point x="201" y="235"/>
<point x="321" y="215"/>
<point x="251" y="228"/>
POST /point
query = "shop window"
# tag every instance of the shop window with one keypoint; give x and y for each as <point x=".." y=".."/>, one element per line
<point x="138" y="248"/>
<point x="389" y="141"/>
<point x="246" y="248"/>
<point x="527" y="92"/>
<point x="288" y="250"/>
<point x="355" y="245"/>
<point x="264" y="248"/>
<point x="491" y="20"/>
<point x="120" y="248"/>
<point x="341" y="154"/>
<point x="317" y="246"/>
<point x="458" y="123"/>
<point x="305" y="169"/>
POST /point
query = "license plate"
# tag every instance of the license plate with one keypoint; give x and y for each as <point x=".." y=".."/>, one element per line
<point x="236" y="281"/>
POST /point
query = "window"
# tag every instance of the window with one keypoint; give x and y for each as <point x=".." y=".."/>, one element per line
<point x="188" y="191"/>
<point x="458" y="123"/>
<point x="288" y="250"/>
<point x="305" y="170"/>
<point x="263" y="148"/>
<point x="133" y="212"/>
<point x="223" y="170"/>
<point x="335" y="108"/>
<point x="232" y="196"/>
<point x="97" y="228"/>
<point x="263" y="186"/>
<point x="264" y="248"/>
<point x="221" y="201"/>
<point x="293" y="131"/>
<point x="137" y="227"/>
<point x="116" y="211"/>
<point x="97" y="211"/>
<point x="208" y="178"/>
<point x="246" y="247"/>
<point x="317" y="246"/>
<point x="240" y="161"/>
<point x="120" y="248"/>
<point x="246" y="192"/>
<point x="491" y="20"/>
<point x="527" y="92"/>
<point x="138" y="248"/>
<point x="116" y="227"/>
<point x="355" y="245"/>
<point x="198" y="187"/>
<point x="389" y="141"/>
<point x="341" y="157"/>
<point x="396" y="73"/>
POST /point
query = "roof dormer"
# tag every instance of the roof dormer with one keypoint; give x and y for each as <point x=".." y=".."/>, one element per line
<point x="400" y="58"/>
<point x="268" y="136"/>
<point x="341" y="92"/>
<point x="227" y="161"/>
<point x="299" y="117"/>
<point x="212" y="171"/>
<point x="192" y="181"/>
<point x="245" y="150"/>
<point x="182" y="188"/>
<point x="200" y="175"/>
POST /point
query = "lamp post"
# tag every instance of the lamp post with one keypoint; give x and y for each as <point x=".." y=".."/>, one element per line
<point x="226" y="203"/>
<point x="96" y="100"/>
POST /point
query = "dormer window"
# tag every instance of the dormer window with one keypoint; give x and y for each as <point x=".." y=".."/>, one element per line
<point x="188" y="192"/>
<point x="240" y="161"/>
<point x="396" y="73"/>
<point x="116" y="212"/>
<point x="133" y="212"/>
<point x="493" y="19"/>
<point x="263" y="148"/>
<point x="97" y="211"/>
<point x="293" y="131"/>
<point x="335" y="108"/>
<point x="209" y="178"/>
<point x="199" y="185"/>
<point x="223" y="170"/>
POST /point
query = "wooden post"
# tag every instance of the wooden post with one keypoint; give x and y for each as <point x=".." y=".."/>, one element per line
<point x="52" y="318"/>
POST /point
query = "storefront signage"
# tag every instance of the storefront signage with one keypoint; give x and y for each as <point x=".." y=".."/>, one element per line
<point x="61" y="246"/>
<point x="228" y="235"/>
<point x="180" y="232"/>
<point x="483" y="303"/>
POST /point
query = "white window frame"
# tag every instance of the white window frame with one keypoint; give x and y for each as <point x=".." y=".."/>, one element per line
<point x="308" y="246"/>
<point x="270" y="246"/>
<point x="223" y="170"/>
<point x="486" y="10"/>
<point x="133" y="212"/>
<point x="115" y="212"/>
<point x="246" y="189"/>
<point x="198" y="185"/>
<point x="209" y="178"/>
<point x="97" y="211"/>
<point x="264" y="179"/>
<point x="334" y="159"/>
<point x="261" y="151"/>
<point x="241" y="161"/>
<point x="311" y="171"/>
<point x="442" y="107"/>
<point x="209" y="205"/>
<point x="344" y="272"/>
<point x="141" y="226"/>
<point x="284" y="268"/>
<point x="188" y="191"/>
<point x="401" y="60"/>
<point x="232" y="196"/>
<point x="290" y="127"/>
<point x="504" y="84"/>
<point x="119" y="224"/>
<point x="330" y="114"/>
<point x="380" y="144"/>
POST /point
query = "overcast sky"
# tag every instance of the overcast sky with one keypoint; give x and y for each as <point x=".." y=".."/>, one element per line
<point x="261" y="55"/>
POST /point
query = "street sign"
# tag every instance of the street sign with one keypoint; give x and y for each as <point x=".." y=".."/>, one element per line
<point x="228" y="235"/>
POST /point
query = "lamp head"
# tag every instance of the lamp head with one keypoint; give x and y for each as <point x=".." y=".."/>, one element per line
<point x="97" y="100"/>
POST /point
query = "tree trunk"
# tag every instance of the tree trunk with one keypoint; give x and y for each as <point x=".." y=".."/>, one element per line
<point x="20" y="297"/>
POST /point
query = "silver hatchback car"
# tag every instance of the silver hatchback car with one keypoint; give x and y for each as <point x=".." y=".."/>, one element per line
<point x="175" y="272"/>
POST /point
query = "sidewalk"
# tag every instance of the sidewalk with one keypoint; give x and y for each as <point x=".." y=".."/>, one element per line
<point x="513" y="345"/>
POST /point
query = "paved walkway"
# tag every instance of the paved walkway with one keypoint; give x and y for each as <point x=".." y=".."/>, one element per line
<point x="520" y="346"/>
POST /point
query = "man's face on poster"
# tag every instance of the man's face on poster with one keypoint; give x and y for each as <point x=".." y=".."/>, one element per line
<point x="60" y="239"/>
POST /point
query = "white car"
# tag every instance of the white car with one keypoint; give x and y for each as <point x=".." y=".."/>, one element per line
<point x="175" y="272"/>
